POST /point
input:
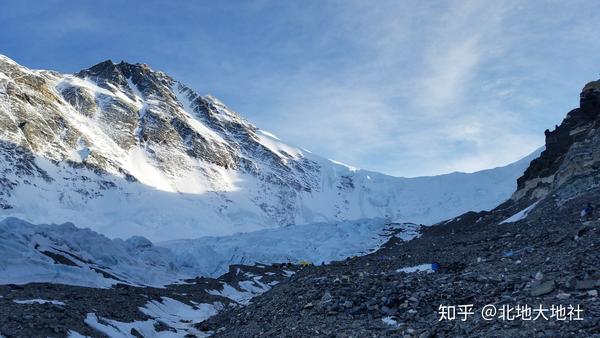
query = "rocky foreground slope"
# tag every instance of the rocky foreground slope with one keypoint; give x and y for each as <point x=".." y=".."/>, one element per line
<point x="548" y="259"/>
<point x="60" y="280"/>
<point x="533" y="250"/>
<point x="59" y="310"/>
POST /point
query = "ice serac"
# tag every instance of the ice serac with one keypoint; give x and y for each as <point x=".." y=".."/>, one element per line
<point x="66" y="254"/>
<point x="128" y="150"/>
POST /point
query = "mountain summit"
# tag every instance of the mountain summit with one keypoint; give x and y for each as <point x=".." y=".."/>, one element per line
<point x="130" y="151"/>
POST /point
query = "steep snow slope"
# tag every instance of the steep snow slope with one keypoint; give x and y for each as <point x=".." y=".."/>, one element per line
<point x="129" y="151"/>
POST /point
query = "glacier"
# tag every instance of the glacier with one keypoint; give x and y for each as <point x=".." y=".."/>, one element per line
<point x="66" y="254"/>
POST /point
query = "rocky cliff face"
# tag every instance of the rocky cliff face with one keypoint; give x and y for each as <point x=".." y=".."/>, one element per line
<point x="128" y="151"/>
<point x="111" y="109"/>
<point x="571" y="160"/>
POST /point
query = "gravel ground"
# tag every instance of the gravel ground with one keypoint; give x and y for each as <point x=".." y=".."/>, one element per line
<point x="121" y="303"/>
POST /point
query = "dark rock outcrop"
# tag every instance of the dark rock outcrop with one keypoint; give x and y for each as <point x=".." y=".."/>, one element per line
<point x="571" y="149"/>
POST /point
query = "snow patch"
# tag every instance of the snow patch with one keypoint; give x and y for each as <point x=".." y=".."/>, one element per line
<point x="520" y="215"/>
<point x="198" y="125"/>
<point x="417" y="268"/>
<point x="271" y="135"/>
<point x="228" y="291"/>
<point x="178" y="315"/>
<point x="117" y="329"/>
<point x="409" y="231"/>
<point x="90" y="86"/>
<point x="39" y="301"/>
<point x="389" y="320"/>
<point x="351" y="168"/>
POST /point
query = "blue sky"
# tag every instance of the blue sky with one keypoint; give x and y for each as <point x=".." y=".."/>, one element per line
<point x="403" y="87"/>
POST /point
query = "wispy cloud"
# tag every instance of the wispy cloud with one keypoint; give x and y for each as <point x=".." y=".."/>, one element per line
<point x="403" y="87"/>
<point x="409" y="105"/>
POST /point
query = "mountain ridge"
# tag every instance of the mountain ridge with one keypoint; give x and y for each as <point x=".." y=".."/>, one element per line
<point x="135" y="145"/>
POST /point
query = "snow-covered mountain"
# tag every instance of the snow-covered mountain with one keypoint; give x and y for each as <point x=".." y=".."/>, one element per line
<point x="127" y="150"/>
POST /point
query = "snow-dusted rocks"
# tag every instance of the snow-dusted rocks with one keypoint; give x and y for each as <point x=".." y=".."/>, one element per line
<point x="180" y="318"/>
<point x="571" y="158"/>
